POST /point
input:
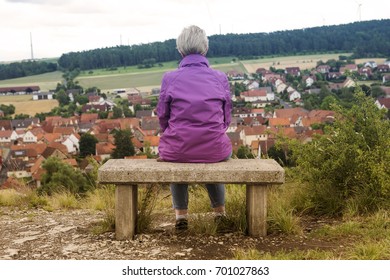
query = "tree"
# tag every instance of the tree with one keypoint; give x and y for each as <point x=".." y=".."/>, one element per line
<point x="117" y="113"/>
<point x="123" y="145"/>
<point x="244" y="152"/>
<point x="62" y="97"/>
<point x="60" y="176"/>
<point x="87" y="145"/>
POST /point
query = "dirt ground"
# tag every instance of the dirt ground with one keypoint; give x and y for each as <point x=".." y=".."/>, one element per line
<point x="41" y="235"/>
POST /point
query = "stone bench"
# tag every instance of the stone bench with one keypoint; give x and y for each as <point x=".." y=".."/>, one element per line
<point x="256" y="174"/>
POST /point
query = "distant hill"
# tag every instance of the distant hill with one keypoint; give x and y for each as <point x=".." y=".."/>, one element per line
<point x="363" y="39"/>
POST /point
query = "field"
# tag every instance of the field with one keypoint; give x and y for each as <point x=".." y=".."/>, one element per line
<point x="44" y="81"/>
<point x="25" y="105"/>
<point x="301" y="61"/>
<point x="143" y="79"/>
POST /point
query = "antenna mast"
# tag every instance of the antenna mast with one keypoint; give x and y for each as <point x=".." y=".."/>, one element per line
<point x="31" y="44"/>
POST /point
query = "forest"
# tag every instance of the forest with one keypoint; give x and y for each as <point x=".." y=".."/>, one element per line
<point x="364" y="39"/>
<point x="25" y="68"/>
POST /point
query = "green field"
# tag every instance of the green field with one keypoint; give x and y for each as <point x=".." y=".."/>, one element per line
<point x="44" y="81"/>
<point x="145" y="79"/>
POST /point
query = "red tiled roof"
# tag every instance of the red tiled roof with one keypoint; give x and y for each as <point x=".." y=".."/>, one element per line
<point x="152" y="140"/>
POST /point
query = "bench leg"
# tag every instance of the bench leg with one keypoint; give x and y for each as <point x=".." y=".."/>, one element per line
<point x="256" y="209"/>
<point x="125" y="211"/>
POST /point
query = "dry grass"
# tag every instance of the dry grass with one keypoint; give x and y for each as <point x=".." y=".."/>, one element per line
<point x="25" y="105"/>
<point x="303" y="62"/>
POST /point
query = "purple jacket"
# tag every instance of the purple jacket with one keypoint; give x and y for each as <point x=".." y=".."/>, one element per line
<point x="194" y="112"/>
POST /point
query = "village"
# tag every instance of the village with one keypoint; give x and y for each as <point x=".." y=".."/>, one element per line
<point x="269" y="107"/>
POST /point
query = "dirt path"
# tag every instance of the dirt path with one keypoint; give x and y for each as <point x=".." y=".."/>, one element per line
<point x="38" y="234"/>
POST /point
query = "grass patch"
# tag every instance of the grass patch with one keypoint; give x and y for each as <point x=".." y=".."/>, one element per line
<point x="10" y="197"/>
<point x="147" y="198"/>
<point x="253" y="254"/>
<point x="102" y="199"/>
<point x="64" y="200"/>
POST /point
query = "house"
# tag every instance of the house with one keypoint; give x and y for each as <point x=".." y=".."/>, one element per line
<point x="94" y="107"/>
<point x="293" y="71"/>
<point x="334" y="75"/>
<point x="370" y="64"/>
<point x="254" y="95"/>
<point x="383" y="103"/>
<point x="294" y="95"/>
<point x="385" y="78"/>
<point x="290" y="113"/>
<point x="150" y="125"/>
<point x="104" y="150"/>
<point x="250" y="134"/>
<point x="235" y="75"/>
<point x="53" y="152"/>
<point x="72" y="143"/>
<point x="235" y="140"/>
<point x="89" y="118"/>
<point x="383" y="68"/>
<point x="144" y="113"/>
<point x="349" y="68"/>
<point x="279" y="122"/>
<point x="64" y="130"/>
<point x="365" y="72"/>
<point x="281" y="87"/>
<point x="5" y="125"/>
<point x="309" y="80"/>
<point x="323" y="69"/>
<point x="29" y="137"/>
<point x="252" y="85"/>
<point x="349" y="82"/>
<point x="7" y="136"/>
<point x="95" y="99"/>
<point x="20" y="90"/>
<point x="24" y="124"/>
<point x="242" y="112"/>
<point x="153" y="142"/>
<point x="43" y="96"/>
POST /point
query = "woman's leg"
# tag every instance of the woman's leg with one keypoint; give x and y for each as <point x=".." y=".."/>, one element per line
<point x="217" y="197"/>
<point x="180" y="200"/>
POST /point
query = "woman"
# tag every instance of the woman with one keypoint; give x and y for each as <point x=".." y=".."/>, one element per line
<point x="194" y="111"/>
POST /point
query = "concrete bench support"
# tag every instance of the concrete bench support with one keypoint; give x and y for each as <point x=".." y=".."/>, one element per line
<point x="126" y="174"/>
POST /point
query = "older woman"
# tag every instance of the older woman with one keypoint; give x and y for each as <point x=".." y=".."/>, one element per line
<point x="194" y="111"/>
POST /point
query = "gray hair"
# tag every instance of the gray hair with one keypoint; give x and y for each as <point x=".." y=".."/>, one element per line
<point x="192" y="40"/>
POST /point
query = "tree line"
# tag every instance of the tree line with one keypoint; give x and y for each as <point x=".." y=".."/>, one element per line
<point x="364" y="39"/>
<point x="25" y="68"/>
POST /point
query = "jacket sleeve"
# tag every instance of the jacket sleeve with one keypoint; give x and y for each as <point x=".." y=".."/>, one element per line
<point x="163" y="105"/>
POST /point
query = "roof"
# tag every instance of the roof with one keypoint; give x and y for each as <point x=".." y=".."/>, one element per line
<point x="279" y="122"/>
<point x="89" y="118"/>
<point x="289" y="113"/>
<point x="19" y="89"/>
<point x="254" y="93"/>
<point x="255" y="130"/>
<point x="152" y="140"/>
<point x="384" y="102"/>
<point x="104" y="148"/>
<point x="64" y="130"/>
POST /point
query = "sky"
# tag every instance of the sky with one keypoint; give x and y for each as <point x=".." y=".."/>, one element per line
<point x="62" y="26"/>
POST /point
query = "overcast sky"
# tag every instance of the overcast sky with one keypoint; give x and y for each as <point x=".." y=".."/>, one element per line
<point x="61" y="26"/>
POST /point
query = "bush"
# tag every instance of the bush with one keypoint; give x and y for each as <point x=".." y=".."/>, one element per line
<point x="61" y="176"/>
<point x="348" y="167"/>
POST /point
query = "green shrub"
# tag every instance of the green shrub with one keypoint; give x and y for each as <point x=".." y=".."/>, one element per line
<point x="348" y="167"/>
